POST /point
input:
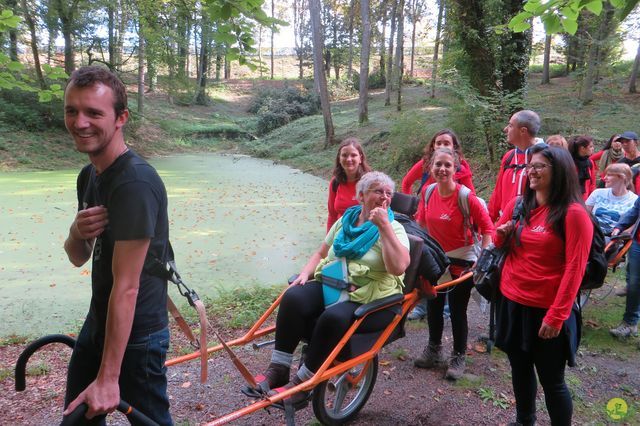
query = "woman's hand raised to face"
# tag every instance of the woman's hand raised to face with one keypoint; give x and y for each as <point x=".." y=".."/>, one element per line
<point x="379" y="216"/>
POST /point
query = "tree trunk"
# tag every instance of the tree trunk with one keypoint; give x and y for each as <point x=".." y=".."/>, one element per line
<point x="218" y="66"/>
<point x="634" y="72"/>
<point x="201" y="97"/>
<point x="383" y="45"/>
<point x="227" y="68"/>
<point x="389" y="76"/>
<point x="413" y="37"/>
<point x="400" y="53"/>
<point x="350" y="59"/>
<point x="111" y="22"/>
<point x="67" y="17"/>
<point x="12" y="5"/>
<point x="34" y="44"/>
<point x="363" y="102"/>
<point x="434" y="68"/>
<point x="547" y="58"/>
<point x="140" y="66"/>
<point x="260" y="28"/>
<point x="586" y="92"/>
<point x="273" y="14"/>
<point x="321" y="83"/>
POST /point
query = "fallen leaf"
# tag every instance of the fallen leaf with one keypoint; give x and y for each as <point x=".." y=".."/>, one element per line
<point x="385" y="363"/>
<point x="185" y="385"/>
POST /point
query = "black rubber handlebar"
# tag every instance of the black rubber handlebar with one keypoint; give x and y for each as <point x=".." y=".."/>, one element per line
<point x="76" y="416"/>
<point x="132" y="414"/>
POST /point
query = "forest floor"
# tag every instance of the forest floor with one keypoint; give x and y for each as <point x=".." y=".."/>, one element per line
<point x="403" y="394"/>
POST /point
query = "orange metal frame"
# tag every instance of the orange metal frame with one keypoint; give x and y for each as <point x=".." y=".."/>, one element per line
<point x="625" y="248"/>
<point x="330" y="368"/>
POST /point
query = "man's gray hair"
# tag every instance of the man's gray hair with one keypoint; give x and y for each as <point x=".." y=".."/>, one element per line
<point x="529" y="119"/>
<point x="369" y="179"/>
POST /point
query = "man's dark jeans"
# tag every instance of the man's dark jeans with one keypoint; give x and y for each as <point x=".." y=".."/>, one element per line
<point x="143" y="380"/>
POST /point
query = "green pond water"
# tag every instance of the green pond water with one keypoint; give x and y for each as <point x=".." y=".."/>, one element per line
<point x="234" y="221"/>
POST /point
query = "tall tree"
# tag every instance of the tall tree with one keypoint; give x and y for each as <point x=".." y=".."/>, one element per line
<point x="603" y="31"/>
<point x="273" y="30"/>
<point x="415" y="13"/>
<point x="67" y="14"/>
<point x="436" y="48"/>
<point x="546" y="60"/>
<point x="141" y="52"/>
<point x="389" y="70"/>
<point x="400" y="53"/>
<point x="319" y="75"/>
<point x="29" y="19"/>
<point x="365" y="51"/>
<point x="634" y="72"/>
<point x="352" y="4"/>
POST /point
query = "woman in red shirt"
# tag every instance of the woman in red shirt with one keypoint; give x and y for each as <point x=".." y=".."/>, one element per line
<point x="445" y="138"/>
<point x="581" y="148"/>
<point x="442" y="217"/>
<point x="536" y="325"/>
<point x="350" y="165"/>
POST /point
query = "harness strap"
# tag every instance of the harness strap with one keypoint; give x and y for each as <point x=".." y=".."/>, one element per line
<point x="177" y="316"/>
<point x="204" y="325"/>
<point x="289" y="412"/>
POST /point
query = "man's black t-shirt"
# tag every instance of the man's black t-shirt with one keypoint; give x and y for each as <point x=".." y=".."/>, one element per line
<point x="629" y="162"/>
<point x="136" y="203"/>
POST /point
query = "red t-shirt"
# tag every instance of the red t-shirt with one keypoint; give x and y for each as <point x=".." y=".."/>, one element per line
<point x="510" y="183"/>
<point x="340" y="200"/>
<point x="544" y="271"/>
<point x="463" y="176"/>
<point x="445" y="223"/>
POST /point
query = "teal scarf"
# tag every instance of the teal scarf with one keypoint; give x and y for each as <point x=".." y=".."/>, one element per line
<point x="353" y="241"/>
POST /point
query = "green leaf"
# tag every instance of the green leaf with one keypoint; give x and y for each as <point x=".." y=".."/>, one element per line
<point x="225" y="11"/>
<point x="45" y="96"/>
<point x="569" y="13"/>
<point x="531" y="5"/>
<point x="520" y="17"/>
<point x="618" y="4"/>
<point x="56" y="87"/>
<point x="594" y="7"/>
<point x="570" y="26"/>
<point x="15" y="66"/>
<point x="521" y="27"/>
<point x="551" y="23"/>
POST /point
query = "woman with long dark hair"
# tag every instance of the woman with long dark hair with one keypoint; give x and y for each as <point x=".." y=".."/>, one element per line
<point x="445" y="138"/>
<point x="610" y="154"/>
<point x="350" y="165"/>
<point x="548" y="252"/>
<point x="581" y="148"/>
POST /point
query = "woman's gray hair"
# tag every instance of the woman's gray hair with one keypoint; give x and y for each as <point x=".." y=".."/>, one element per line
<point x="369" y="179"/>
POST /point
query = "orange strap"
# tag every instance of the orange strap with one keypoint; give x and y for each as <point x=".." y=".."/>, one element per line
<point x="201" y="344"/>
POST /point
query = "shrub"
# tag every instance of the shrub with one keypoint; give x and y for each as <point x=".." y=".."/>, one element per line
<point x="376" y="80"/>
<point x="22" y="110"/>
<point x="277" y="107"/>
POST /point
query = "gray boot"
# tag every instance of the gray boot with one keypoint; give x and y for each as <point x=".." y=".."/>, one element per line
<point x="431" y="357"/>
<point x="457" y="364"/>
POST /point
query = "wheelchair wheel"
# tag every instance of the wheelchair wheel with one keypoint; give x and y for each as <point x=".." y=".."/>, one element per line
<point x="341" y="398"/>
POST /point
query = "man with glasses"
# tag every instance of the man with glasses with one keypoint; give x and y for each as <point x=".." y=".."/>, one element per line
<point x="629" y="141"/>
<point x="521" y="132"/>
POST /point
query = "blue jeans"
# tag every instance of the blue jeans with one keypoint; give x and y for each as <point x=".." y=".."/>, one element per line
<point x="143" y="379"/>
<point x="632" y="311"/>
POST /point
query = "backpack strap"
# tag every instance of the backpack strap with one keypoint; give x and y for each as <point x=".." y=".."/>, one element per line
<point x="463" y="205"/>
<point x="423" y="181"/>
<point x="507" y="163"/>
<point x="428" y="192"/>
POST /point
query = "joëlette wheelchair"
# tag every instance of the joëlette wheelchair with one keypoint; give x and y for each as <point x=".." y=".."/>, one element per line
<point x="343" y="383"/>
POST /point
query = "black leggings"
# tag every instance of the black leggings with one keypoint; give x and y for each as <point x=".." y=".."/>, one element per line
<point x="458" y="302"/>
<point x="302" y="316"/>
<point x="550" y="370"/>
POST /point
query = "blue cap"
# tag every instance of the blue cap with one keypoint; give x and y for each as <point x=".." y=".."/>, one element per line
<point x="632" y="136"/>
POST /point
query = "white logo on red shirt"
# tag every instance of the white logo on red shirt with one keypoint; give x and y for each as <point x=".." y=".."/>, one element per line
<point x="538" y="229"/>
<point x="445" y="216"/>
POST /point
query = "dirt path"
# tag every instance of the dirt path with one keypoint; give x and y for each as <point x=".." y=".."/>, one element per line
<point x="403" y="395"/>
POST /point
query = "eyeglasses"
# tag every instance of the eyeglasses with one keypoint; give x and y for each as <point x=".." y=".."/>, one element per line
<point x="380" y="193"/>
<point x="538" y="167"/>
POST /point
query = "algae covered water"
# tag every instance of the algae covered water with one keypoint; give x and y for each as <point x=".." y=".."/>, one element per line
<point x="234" y="221"/>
